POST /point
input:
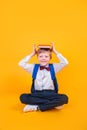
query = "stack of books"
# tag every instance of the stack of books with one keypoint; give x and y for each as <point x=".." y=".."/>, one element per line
<point x="44" y="46"/>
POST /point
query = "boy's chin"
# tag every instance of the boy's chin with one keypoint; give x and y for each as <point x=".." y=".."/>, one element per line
<point x="43" y="64"/>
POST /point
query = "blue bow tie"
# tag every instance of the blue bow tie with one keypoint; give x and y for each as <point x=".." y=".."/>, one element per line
<point x="43" y="67"/>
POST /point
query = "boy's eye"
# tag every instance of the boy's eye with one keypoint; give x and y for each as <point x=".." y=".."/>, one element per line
<point x="43" y="56"/>
<point x="40" y="56"/>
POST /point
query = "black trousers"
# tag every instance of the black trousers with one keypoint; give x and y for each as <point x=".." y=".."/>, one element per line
<point x="46" y="99"/>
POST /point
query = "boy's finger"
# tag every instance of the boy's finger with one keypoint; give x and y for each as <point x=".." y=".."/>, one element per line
<point x="52" y="43"/>
<point x="34" y="46"/>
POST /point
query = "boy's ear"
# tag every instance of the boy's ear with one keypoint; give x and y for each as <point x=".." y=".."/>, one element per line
<point x="51" y="56"/>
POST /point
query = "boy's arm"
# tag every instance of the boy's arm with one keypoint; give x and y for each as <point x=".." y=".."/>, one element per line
<point x="63" y="61"/>
<point x="23" y="63"/>
<point x="26" y="66"/>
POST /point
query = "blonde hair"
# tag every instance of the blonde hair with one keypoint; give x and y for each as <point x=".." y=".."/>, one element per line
<point x="42" y="50"/>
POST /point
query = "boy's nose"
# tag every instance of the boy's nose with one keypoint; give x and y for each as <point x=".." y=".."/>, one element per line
<point x="43" y="58"/>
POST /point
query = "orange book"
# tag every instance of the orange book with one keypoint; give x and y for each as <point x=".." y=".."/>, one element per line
<point x="44" y="46"/>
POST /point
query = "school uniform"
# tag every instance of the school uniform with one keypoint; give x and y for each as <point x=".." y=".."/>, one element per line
<point x="43" y="91"/>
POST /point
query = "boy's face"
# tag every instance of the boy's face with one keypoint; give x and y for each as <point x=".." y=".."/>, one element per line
<point x="44" y="58"/>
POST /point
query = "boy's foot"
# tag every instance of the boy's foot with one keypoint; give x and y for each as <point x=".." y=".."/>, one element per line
<point x="28" y="108"/>
<point x="59" y="107"/>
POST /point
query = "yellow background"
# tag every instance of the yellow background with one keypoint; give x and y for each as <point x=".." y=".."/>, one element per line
<point x="24" y="23"/>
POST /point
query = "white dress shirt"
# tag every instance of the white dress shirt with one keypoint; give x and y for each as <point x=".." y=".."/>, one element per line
<point x="43" y="79"/>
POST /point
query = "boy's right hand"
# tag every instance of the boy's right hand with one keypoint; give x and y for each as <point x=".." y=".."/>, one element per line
<point x="34" y="50"/>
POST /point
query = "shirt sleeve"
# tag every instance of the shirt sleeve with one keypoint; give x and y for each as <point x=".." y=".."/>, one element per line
<point x="26" y="66"/>
<point x="63" y="62"/>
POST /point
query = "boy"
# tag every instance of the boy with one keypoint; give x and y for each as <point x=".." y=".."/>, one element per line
<point x="44" y="90"/>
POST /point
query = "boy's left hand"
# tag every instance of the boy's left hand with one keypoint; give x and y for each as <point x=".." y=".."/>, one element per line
<point x="53" y="48"/>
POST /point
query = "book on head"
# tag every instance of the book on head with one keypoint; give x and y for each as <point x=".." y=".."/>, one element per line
<point x="44" y="46"/>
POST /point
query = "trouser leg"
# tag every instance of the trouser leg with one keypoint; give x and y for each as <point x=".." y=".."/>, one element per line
<point x="56" y="100"/>
<point x="32" y="99"/>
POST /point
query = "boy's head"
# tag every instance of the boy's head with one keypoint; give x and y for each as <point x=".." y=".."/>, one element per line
<point x="44" y="55"/>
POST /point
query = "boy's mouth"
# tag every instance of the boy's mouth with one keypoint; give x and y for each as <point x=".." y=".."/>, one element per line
<point x="43" y="61"/>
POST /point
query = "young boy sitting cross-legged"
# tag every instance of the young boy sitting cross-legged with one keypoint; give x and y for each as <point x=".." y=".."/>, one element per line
<point x="44" y="91"/>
